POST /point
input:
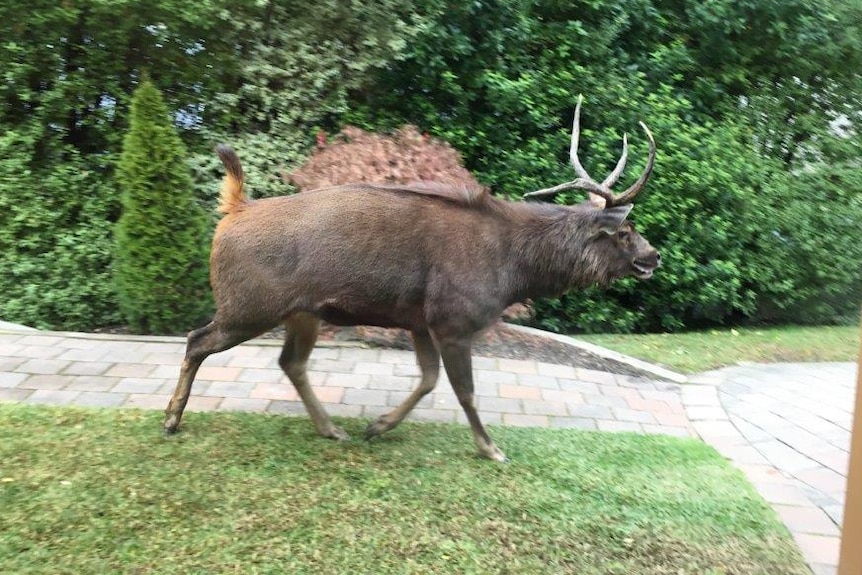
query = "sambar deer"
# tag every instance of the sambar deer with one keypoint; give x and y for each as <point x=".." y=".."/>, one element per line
<point x="440" y="262"/>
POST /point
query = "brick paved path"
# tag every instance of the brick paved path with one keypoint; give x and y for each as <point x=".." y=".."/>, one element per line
<point x="787" y="427"/>
<point x="111" y="371"/>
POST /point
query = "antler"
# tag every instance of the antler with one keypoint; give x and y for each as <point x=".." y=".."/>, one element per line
<point x="600" y="193"/>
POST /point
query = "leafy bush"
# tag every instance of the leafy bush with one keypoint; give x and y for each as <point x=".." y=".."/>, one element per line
<point x="55" y="233"/>
<point x="160" y="267"/>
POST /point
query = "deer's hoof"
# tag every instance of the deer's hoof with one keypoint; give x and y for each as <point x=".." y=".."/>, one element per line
<point x="379" y="427"/>
<point x="172" y="424"/>
<point x="337" y="434"/>
<point x="493" y="453"/>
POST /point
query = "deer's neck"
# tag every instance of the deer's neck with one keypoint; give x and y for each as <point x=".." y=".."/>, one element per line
<point x="552" y="250"/>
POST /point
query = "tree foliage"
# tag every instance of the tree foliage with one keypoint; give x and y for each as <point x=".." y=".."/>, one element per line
<point x="754" y="201"/>
<point x="162" y="235"/>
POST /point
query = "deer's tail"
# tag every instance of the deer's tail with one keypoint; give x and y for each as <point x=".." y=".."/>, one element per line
<point x="232" y="192"/>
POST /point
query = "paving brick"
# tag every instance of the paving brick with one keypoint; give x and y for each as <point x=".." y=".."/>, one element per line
<point x="201" y="403"/>
<point x="717" y="429"/>
<point x="258" y="375"/>
<point x="524" y="420"/>
<point x="499" y="404"/>
<point x="823" y="479"/>
<point x="573" y="422"/>
<point x="540" y="407"/>
<point x="612" y="425"/>
<point x="442" y="415"/>
<point x="53" y="396"/>
<point x="806" y="519"/>
<point x="147" y="401"/>
<point x="374" y="411"/>
<point x="623" y="414"/>
<point x="370" y="368"/>
<point x="763" y="474"/>
<point x="394" y="383"/>
<point x="93" y="354"/>
<point x="591" y="411"/>
<point x="138" y="385"/>
<point x="593" y="376"/>
<point x="331" y="365"/>
<point x="540" y="381"/>
<point x="134" y="370"/>
<point x="341" y="410"/>
<point x="98" y="383"/>
<point x="330" y="394"/>
<point x="517" y="366"/>
<point x="359" y="354"/>
<point x="495" y="377"/>
<point x="219" y="373"/>
<point x="407" y="370"/>
<point x="100" y="399"/>
<point x="8" y="395"/>
<point x="8" y="364"/>
<point x="86" y="368"/>
<point x="244" y="404"/>
<point x="372" y="397"/>
<point x="250" y="361"/>
<point x="267" y="391"/>
<point x="43" y="366"/>
<point x="584" y="387"/>
<point x="228" y="389"/>
<point x="350" y="380"/>
<point x="821" y="549"/>
<point x="396" y="398"/>
<point x="820" y="569"/>
<point x="485" y="363"/>
<point x="46" y="382"/>
<point x="519" y="392"/>
<point x="8" y="380"/>
<point x="605" y="400"/>
<point x="693" y="394"/>
<point x="671" y="419"/>
<point x="616" y="391"/>
<point x="553" y="370"/>
<point x="397" y="356"/>
<point x="561" y="396"/>
<point x="42" y="340"/>
<point x="39" y="352"/>
<point x="287" y="407"/>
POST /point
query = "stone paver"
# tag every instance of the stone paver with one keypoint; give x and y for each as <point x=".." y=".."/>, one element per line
<point x="787" y="427"/>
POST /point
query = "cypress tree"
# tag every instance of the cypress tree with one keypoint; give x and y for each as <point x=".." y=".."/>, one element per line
<point x="161" y="238"/>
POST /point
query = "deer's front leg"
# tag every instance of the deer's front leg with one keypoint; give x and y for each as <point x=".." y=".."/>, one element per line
<point x="458" y="364"/>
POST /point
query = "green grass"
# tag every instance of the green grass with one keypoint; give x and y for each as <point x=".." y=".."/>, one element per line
<point x="100" y="491"/>
<point x="694" y="352"/>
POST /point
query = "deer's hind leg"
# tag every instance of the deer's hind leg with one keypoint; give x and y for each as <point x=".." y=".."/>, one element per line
<point x="301" y="335"/>
<point x="428" y="359"/>
<point x="201" y="343"/>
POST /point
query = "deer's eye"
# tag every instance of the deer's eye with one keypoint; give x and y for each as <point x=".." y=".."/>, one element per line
<point x="623" y="235"/>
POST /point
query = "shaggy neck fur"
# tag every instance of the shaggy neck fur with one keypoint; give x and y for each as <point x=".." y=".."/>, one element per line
<point x="556" y="249"/>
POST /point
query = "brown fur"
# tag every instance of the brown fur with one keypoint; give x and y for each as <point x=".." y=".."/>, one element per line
<point x="439" y="261"/>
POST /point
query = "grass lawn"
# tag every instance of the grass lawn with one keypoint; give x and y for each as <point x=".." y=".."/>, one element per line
<point x="100" y="491"/>
<point x="694" y="352"/>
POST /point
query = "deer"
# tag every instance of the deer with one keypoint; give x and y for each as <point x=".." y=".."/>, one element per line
<point x="439" y="261"/>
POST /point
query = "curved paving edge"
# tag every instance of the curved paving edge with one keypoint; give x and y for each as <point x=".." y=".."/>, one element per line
<point x="787" y="428"/>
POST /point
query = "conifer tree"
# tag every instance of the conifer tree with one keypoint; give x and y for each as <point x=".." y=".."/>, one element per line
<point x="161" y="238"/>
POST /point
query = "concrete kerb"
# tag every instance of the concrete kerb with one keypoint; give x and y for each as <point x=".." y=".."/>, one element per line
<point x="659" y="372"/>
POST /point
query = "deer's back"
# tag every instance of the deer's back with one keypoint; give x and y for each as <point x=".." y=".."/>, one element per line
<point x="360" y="256"/>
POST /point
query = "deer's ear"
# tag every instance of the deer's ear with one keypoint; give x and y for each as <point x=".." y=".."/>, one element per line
<point x="609" y="220"/>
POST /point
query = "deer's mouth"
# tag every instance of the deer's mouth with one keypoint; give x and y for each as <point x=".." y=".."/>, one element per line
<point x="643" y="270"/>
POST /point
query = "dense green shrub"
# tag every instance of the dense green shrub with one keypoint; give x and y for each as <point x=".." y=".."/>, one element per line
<point x="160" y="268"/>
<point x="55" y="237"/>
